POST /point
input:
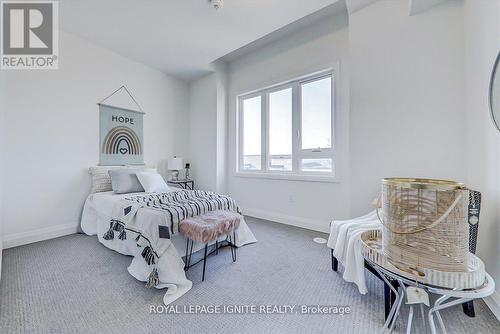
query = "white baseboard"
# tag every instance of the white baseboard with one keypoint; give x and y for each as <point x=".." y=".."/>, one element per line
<point x="310" y="224"/>
<point x="493" y="303"/>
<point x="23" y="238"/>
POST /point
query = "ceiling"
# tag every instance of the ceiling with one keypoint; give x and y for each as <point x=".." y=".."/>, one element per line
<point x="180" y="37"/>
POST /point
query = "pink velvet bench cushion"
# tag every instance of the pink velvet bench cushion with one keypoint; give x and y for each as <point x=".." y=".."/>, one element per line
<point x="210" y="226"/>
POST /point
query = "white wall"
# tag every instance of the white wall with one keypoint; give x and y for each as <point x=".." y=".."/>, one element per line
<point x="208" y="129"/>
<point x="52" y="133"/>
<point x="203" y="131"/>
<point x="482" y="43"/>
<point x="407" y="96"/>
<point x="308" y="204"/>
<point x="222" y="124"/>
<point x="2" y="160"/>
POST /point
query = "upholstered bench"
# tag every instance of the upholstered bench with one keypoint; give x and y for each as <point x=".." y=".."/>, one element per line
<point x="209" y="228"/>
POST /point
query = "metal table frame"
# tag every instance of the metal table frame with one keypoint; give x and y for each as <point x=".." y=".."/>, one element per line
<point x="460" y="297"/>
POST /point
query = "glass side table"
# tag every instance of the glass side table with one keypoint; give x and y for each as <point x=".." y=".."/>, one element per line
<point x="184" y="184"/>
<point x="448" y="296"/>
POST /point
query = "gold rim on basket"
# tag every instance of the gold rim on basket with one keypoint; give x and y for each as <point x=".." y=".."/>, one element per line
<point x="428" y="184"/>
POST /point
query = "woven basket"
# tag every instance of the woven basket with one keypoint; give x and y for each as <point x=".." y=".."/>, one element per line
<point x="425" y="224"/>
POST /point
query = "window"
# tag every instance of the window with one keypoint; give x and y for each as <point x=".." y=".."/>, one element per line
<point x="252" y="136"/>
<point x="288" y="129"/>
<point x="280" y="130"/>
<point x="316" y="114"/>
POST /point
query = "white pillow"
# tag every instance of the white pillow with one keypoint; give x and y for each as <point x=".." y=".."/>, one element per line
<point x="153" y="182"/>
<point x="150" y="170"/>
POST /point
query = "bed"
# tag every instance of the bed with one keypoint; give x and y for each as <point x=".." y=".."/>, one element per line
<point x="99" y="213"/>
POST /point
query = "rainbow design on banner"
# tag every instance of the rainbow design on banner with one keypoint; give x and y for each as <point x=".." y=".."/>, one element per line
<point x="122" y="140"/>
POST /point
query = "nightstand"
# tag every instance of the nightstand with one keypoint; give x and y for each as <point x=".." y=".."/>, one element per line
<point x="184" y="184"/>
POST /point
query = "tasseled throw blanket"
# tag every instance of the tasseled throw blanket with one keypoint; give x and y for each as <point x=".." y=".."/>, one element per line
<point x="153" y="238"/>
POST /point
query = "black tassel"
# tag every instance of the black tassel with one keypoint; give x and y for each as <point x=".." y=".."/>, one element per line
<point x="123" y="235"/>
<point x="148" y="255"/>
<point x="118" y="227"/>
<point x="109" y="235"/>
<point x="153" y="279"/>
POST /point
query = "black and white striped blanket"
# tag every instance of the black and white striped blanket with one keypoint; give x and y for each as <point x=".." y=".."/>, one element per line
<point x="183" y="204"/>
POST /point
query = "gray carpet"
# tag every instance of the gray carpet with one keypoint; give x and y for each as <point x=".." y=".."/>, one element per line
<point x="74" y="284"/>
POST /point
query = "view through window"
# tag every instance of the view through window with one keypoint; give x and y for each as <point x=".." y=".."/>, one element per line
<point x="288" y="128"/>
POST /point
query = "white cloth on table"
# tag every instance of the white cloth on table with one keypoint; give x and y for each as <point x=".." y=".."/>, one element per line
<point x="334" y="227"/>
<point x="344" y="236"/>
<point x="345" y="240"/>
<point x="354" y="264"/>
<point x="338" y="233"/>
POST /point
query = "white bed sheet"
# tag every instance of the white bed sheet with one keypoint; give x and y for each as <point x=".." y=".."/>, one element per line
<point x="96" y="216"/>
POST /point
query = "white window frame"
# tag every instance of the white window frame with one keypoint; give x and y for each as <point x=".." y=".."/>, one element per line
<point x="297" y="152"/>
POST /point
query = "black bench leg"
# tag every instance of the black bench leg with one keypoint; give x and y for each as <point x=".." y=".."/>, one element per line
<point x="335" y="262"/>
<point x="389" y="298"/>
<point x="469" y="309"/>
<point x="204" y="262"/>
<point x="233" y="247"/>
<point x="187" y="258"/>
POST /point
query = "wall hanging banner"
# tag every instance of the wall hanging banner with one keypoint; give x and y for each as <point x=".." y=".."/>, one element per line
<point x="121" y="136"/>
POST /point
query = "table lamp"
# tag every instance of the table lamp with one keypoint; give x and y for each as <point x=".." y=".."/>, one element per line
<point x="175" y="164"/>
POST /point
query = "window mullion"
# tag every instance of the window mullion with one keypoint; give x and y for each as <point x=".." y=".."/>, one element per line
<point x="295" y="128"/>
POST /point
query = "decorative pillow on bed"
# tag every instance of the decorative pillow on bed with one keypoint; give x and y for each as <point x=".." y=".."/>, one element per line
<point x="101" y="181"/>
<point x="125" y="181"/>
<point x="153" y="182"/>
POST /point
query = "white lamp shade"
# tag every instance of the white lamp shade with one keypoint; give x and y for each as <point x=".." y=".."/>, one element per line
<point x="175" y="163"/>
